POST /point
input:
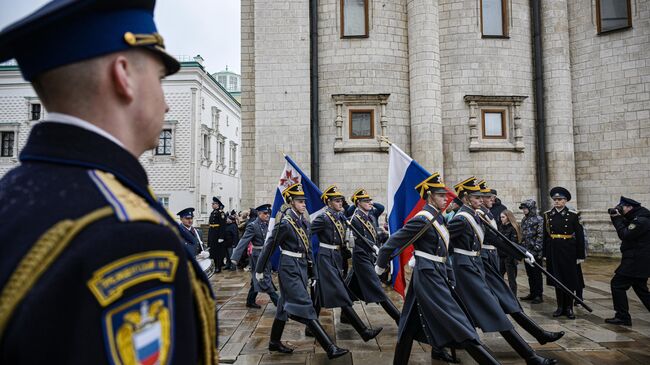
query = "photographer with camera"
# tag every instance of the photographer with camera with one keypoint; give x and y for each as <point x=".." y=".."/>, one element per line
<point x="632" y="223"/>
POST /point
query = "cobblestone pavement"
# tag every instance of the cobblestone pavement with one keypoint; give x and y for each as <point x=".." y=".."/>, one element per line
<point x="244" y="333"/>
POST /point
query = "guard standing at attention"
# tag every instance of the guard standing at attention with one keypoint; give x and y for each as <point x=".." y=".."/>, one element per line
<point x="104" y="277"/>
<point x="295" y="274"/>
<point x="564" y="248"/>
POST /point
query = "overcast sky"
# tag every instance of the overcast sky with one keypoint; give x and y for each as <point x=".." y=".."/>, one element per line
<point x="210" y="28"/>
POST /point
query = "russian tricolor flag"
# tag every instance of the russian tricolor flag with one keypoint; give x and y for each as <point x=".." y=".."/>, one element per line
<point x="403" y="203"/>
<point x="315" y="206"/>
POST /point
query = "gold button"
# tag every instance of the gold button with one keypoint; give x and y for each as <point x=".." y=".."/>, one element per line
<point x="129" y="38"/>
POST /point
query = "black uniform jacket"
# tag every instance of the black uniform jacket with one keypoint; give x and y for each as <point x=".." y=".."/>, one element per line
<point x="217" y="223"/>
<point x="92" y="267"/>
<point x="634" y="231"/>
<point x="331" y="288"/>
<point x="429" y="305"/>
<point x="564" y="243"/>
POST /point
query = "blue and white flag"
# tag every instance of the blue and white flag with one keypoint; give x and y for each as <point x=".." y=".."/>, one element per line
<point x="315" y="206"/>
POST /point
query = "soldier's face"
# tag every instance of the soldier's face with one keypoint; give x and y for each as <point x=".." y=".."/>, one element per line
<point x="187" y="221"/>
<point x="215" y="205"/>
<point x="627" y="209"/>
<point x="264" y="216"/>
<point x="439" y="200"/>
<point x="365" y="205"/>
<point x="299" y="205"/>
<point x="559" y="203"/>
<point x="474" y="201"/>
<point x="487" y="201"/>
<point x="336" y="204"/>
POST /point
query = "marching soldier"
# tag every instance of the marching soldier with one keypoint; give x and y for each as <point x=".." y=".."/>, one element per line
<point x="217" y="223"/>
<point x="362" y="281"/>
<point x="331" y="290"/>
<point x="256" y="235"/>
<point x="431" y="313"/>
<point x="295" y="274"/>
<point x="507" y="299"/>
<point x="564" y="248"/>
<point x="103" y="278"/>
<point x="467" y="235"/>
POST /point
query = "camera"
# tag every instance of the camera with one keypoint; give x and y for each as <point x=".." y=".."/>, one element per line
<point x="616" y="210"/>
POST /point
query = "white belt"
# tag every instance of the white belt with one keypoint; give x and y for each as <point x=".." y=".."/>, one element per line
<point x="431" y="257"/>
<point x="331" y="247"/>
<point x="488" y="247"/>
<point x="257" y="247"/>
<point x="467" y="253"/>
<point x="292" y="254"/>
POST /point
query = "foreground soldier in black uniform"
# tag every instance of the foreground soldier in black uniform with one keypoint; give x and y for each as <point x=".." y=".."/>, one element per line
<point x="467" y="235"/>
<point x="495" y="281"/>
<point x="362" y="280"/>
<point x="102" y="277"/>
<point x="330" y="288"/>
<point x="564" y="248"/>
<point x="295" y="274"/>
<point x="431" y="313"/>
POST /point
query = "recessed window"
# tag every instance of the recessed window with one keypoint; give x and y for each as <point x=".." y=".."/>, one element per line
<point x="362" y="124"/>
<point x="205" y="148"/>
<point x="204" y="205"/>
<point x="233" y="157"/>
<point x="494" y="123"/>
<point x="613" y="15"/>
<point x="354" y="18"/>
<point x="221" y="152"/>
<point x="35" y="112"/>
<point x="164" y="143"/>
<point x="7" y="139"/>
<point x="494" y="18"/>
<point x="164" y="201"/>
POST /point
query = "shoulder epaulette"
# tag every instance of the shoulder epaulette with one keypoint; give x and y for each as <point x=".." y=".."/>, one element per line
<point x="127" y="205"/>
<point x="548" y="211"/>
<point x="574" y="211"/>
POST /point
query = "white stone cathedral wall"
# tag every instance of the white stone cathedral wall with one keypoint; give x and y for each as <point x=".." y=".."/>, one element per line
<point x="248" y="103"/>
<point x="378" y="64"/>
<point x="611" y="109"/>
<point x="470" y="65"/>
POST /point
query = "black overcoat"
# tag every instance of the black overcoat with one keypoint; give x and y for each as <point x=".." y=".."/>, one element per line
<point x="634" y="231"/>
<point x="564" y="243"/>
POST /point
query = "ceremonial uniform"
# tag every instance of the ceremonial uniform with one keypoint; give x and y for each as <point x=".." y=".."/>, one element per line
<point x="295" y="274"/>
<point x="92" y="268"/>
<point x="255" y="234"/>
<point x="217" y="223"/>
<point x="362" y="280"/>
<point x="190" y="235"/>
<point x="482" y="302"/>
<point x="431" y="312"/>
<point x="564" y="244"/>
<point x="331" y="290"/>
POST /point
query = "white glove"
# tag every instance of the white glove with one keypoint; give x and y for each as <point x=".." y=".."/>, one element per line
<point x="412" y="262"/>
<point x="220" y="240"/>
<point x="530" y="259"/>
<point x="259" y="276"/>
<point x="480" y="211"/>
<point x="376" y="250"/>
<point x="379" y="270"/>
<point x="579" y="261"/>
<point x="234" y="262"/>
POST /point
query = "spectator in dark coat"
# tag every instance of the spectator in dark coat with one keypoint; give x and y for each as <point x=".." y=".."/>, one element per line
<point x="230" y="237"/>
<point x="508" y="264"/>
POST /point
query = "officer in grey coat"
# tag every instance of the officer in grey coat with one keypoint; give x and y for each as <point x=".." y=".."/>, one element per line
<point x="295" y="274"/>
<point x="255" y="234"/>
<point x="467" y="235"/>
<point x="362" y="280"/>
<point x="431" y="313"/>
<point x="331" y="291"/>
<point x="494" y="279"/>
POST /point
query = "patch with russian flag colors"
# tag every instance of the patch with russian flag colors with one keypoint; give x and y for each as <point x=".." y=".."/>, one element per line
<point x="139" y="330"/>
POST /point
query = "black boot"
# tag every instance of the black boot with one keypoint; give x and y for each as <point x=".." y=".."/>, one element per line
<point x="479" y="353"/>
<point x="442" y="355"/>
<point x="568" y="306"/>
<point x="559" y="297"/>
<point x="542" y="336"/>
<point x="527" y="297"/>
<point x="344" y="319"/>
<point x="366" y="333"/>
<point x="324" y="340"/>
<point x="391" y="310"/>
<point x="524" y="350"/>
<point x="403" y="348"/>
<point x="276" y="334"/>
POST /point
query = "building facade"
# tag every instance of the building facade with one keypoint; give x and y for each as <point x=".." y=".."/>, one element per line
<point x="453" y="83"/>
<point x="199" y="153"/>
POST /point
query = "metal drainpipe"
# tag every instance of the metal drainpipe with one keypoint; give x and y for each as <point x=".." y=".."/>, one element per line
<point x="540" y="118"/>
<point x="313" y="102"/>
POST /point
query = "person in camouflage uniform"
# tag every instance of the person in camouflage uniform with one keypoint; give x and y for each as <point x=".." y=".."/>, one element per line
<point x="532" y="229"/>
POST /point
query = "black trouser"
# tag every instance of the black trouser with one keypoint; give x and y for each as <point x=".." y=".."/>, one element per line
<point x="221" y="254"/>
<point x="508" y="264"/>
<point x="620" y="284"/>
<point x="535" y="279"/>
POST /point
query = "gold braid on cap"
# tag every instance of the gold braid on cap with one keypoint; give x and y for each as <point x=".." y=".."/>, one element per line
<point x="425" y="185"/>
